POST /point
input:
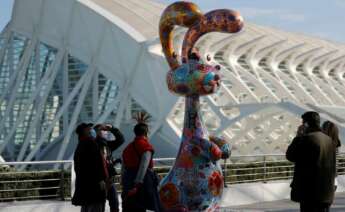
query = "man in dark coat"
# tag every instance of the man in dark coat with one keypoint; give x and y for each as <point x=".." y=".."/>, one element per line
<point x="90" y="187"/>
<point x="314" y="156"/>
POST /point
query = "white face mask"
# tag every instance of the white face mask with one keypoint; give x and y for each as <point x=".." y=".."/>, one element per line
<point x="93" y="133"/>
<point x="107" y="135"/>
<point x="104" y="134"/>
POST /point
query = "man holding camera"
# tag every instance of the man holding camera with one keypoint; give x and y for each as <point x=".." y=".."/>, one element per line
<point x="109" y="139"/>
<point x="314" y="156"/>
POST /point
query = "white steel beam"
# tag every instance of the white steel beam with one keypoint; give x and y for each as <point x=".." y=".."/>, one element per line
<point x="22" y="114"/>
<point x="14" y="73"/>
<point x="76" y="112"/>
<point x="126" y="92"/>
<point x="95" y="99"/>
<point x="22" y="68"/>
<point x="58" y="115"/>
<point x="7" y="39"/>
<point x="40" y="107"/>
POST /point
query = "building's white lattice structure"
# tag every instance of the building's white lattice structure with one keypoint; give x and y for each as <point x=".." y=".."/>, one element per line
<point x="67" y="61"/>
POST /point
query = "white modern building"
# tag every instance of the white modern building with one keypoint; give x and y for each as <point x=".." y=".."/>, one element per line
<point x="63" y="62"/>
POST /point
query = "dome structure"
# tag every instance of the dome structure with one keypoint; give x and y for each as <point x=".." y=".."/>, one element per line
<point x="70" y="61"/>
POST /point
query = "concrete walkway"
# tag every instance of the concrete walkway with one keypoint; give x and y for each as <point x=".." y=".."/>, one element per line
<point x="65" y="206"/>
<point x="285" y="206"/>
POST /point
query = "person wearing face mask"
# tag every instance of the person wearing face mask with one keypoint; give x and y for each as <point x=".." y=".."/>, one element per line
<point x="314" y="156"/>
<point x="90" y="186"/>
<point x="109" y="139"/>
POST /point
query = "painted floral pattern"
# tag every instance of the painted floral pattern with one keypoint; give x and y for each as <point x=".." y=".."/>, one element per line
<point x="195" y="181"/>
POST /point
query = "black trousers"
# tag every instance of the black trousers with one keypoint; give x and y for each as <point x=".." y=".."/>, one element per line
<point x="314" y="207"/>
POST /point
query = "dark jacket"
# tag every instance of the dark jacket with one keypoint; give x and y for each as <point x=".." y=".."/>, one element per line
<point x="111" y="146"/>
<point x="314" y="156"/>
<point x="88" y="166"/>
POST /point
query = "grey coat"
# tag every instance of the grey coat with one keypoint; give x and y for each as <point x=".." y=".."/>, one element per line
<point x="314" y="156"/>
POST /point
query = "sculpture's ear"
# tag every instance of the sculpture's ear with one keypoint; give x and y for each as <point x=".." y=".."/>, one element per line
<point x="181" y="13"/>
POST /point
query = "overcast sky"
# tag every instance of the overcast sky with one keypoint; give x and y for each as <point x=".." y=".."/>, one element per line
<point x="320" y="18"/>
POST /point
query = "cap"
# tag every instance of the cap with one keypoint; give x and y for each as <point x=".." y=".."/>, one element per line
<point x="80" y="128"/>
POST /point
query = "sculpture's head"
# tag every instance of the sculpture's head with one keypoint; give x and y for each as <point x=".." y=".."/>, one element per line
<point x="193" y="76"/>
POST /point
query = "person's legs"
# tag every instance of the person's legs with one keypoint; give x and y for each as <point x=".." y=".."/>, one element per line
<point x="83" y="208"/>
<point x="150" y="196"/>
<point x="307" y="207"/>
<point x="95" y="207"/>
<point x="314" y="207"/>
<point x="130" y="207"/>
<point x="113" y="199"/>
<point x="157" y="203"/>
<point x="323" y="207"/>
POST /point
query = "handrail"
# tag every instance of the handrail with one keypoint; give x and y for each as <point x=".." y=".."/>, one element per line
<point x="237" y="169"/>
<point x="36" y="162"/>
<point x="46" y="182"/>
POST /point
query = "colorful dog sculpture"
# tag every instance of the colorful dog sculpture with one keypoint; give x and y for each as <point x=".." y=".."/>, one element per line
<point x="194" y="183"/>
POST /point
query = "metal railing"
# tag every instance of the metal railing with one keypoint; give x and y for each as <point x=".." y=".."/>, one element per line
<point x="252" y="168"/>
<point x="245" y="168"/>
<point x="39" y="177"/>
<point x="37" y="181"/>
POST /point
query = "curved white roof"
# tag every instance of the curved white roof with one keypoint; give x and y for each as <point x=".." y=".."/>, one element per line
<point x="142" y="15"/>
<point x="101" y="60"/>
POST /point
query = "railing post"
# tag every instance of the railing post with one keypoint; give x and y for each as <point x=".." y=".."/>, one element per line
<point x="265" y="169"/>
<point x="62" y="182"/>
<point x="72" y="179"/>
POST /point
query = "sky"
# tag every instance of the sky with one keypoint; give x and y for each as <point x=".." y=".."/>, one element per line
<point x="320" y="18"/>
<point x="5" y="12"/>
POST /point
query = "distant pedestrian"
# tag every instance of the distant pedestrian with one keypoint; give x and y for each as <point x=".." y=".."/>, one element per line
<point x="109" y="143"/>
<point x="314" y="156"/>
<point x="331" y="129"/>
<point x="90" y="187"/>
<point x="139" y="181"/>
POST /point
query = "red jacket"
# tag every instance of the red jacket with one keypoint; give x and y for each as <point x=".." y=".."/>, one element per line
<point x="132" y="153"/>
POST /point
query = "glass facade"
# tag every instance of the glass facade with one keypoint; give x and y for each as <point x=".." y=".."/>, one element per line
<point x="42" y="109"/>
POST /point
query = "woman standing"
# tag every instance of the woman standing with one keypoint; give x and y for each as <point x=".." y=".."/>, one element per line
<point x="139" y="181"/>
<point x="330" y="129"/>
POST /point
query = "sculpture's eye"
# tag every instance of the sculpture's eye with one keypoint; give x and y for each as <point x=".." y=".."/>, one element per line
<point x="208" y="58"/>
